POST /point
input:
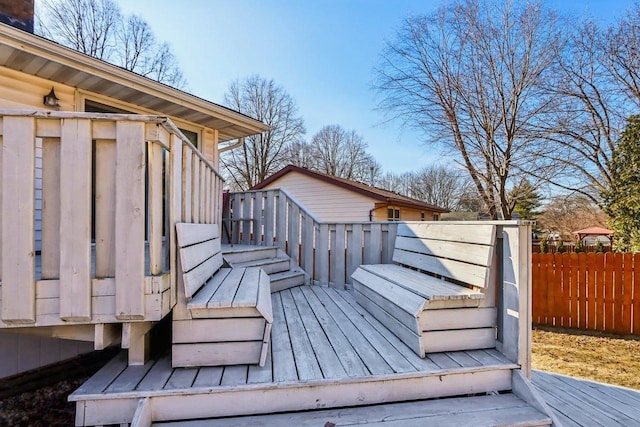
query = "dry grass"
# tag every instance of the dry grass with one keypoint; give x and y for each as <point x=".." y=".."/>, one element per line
<point x="598" y="357"/>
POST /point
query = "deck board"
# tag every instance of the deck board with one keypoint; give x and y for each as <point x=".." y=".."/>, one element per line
<point x="306" y="362"/>
<point x="583" y="403"/>
<point x="327" y="357"/>
<point x="313" y="327"/>
<point x="208" y="376"/>
<point x="325" y="350"/>
<point x="373" y="361"/>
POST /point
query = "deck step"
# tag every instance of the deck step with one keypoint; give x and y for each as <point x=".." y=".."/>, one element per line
<point x="286" y="280"/>
<point x="283" y="273"/>
<point x="243" y="253"/>
<point x="488" y="410"/>
<point x="269" y="265"/>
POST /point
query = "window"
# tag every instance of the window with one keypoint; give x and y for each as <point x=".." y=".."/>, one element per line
<point x="421" y="216"/>
<point x="436" y="217"/>
<point x="191" y="136"/>
<point x="393" y="214"/>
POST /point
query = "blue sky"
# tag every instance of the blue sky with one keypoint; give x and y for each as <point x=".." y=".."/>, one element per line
<point x="321" y="51"/>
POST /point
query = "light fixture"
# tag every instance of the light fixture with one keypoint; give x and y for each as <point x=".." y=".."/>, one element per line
<point x="51" y="100"/>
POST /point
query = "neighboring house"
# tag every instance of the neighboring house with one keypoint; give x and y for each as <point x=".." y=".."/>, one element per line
<point x="31" y="68"/>
<point x="334" y="199"/>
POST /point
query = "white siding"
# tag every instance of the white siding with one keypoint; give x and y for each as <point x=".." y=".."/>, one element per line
<point x="328" y="202"/>
<point x="23" y="352"/>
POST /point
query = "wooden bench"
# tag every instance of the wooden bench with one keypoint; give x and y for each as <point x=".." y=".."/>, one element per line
<point x="438" y="297"/>
<point x="226" y="315"/>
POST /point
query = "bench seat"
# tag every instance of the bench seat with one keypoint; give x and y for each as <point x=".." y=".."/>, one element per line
<point x="228" y="314"/>
<point x="427" y="313"/>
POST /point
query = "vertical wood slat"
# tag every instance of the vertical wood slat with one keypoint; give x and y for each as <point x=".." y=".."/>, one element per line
<point x="257" y="217"/>
<point x="591" y="291"/>
<point x="1" y="149"/>
<point x="582" y="291"/>
<point x="391" y="236"/>
<point x="75" y="229"/>
<point x="354" y="256"/>
<point x="175" y="191"/>
<point x="564" y="292"/>
<point x="18" y="208"/>
<point x="281" y="221"/>
<point x="600" y="287"/>
<point x="339" y="259"/>
<point x="155" y="208"/>
<point x="105" y="203"/>
<point x="375" y="244"/>
<point x="203" y="192"/>
<point x="551" y="283"/>
<point x="237" y="209"/>
<point x="617" y="292"/>
<point x="627" y="262"/>
<point x="322" y="254"/>
<point x="50" y="252"/>
<point x="187" y="172"/>
<point x="195" y="187"/>
<point x="307" y="240"/>
<point x="293" y="232"/>
<point x="608" y="292"/>
<point x="246" y="214"/>
<point x="209" y="196"/>
<point x="636" y="293"/>
<point x="130" y="220"/>
<point x="269" y="206"/>
<point x="573" y="291"/>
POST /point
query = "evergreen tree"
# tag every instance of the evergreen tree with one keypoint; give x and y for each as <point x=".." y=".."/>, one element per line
<point x="622" y="200"/>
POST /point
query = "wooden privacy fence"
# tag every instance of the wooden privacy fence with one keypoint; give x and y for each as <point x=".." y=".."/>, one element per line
<point x="592" y="291"/>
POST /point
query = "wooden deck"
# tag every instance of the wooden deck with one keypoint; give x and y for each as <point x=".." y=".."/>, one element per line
<point x="326" y="352"/>
<point x="575" y="402"/>
<point x="578" y="402"/>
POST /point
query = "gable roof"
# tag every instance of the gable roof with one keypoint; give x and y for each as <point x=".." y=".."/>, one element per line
<point x="378" y="194"/>
<point x="35" y="55"/>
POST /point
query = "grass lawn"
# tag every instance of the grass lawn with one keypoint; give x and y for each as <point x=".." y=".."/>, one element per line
<point x="595" y="356"/>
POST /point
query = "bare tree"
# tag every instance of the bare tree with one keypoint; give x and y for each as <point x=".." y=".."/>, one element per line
<point x="565" y="214"/>
<point x="342" y="153"/>
<point x="98" y="28"/>
<point x="438" y="185"/>
<point x="469" y="75"/>
<point x="591" y="111"/>
<point x="88" y="26"/>
<point x="401" y="183"/>
<point x="263" y="154"/>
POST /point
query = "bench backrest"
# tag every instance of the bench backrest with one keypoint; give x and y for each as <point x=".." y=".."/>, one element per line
<point x="461" y="252"/>
<point x="200" y="254"/>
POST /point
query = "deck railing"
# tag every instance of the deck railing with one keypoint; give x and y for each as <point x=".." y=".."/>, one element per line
<point x="104" y="191"/>
<point x="329" y="252"/>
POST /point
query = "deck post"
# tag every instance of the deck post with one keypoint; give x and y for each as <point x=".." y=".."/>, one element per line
<point x="515" y="298"/>
<point x="135" y="337"/>
<point x="75" y="224"/>
<point x="130" y="220"/>
<point x="18" y="207"/>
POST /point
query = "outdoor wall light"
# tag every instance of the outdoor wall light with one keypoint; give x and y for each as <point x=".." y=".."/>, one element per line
<point x="51" y="100"/>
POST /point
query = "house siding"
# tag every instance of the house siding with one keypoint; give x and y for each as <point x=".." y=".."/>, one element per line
<point x="328" y="202"/>
<point x="23" y="352"/>
<point x="406" y="214"/>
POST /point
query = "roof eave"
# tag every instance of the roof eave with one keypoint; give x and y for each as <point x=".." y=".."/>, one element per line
<point x="29" y="43"/>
